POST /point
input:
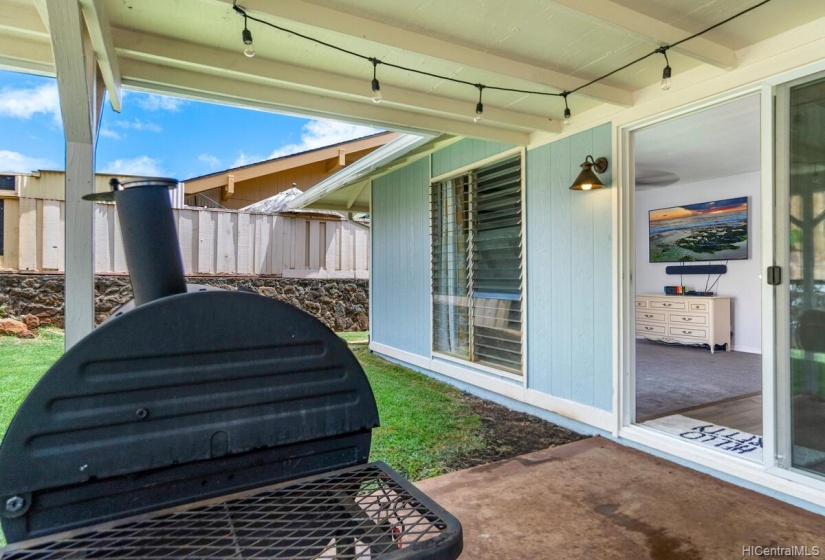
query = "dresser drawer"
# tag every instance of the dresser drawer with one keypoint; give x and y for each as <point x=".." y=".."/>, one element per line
<point x="641" y="303"/>
<point x="650" y="329"/>
<point x="689" y="332"/>
<point x="664" y="304"/>
<point x="688" y="319"/>
<point x="698" y="306"/>
<point x="645" y="316"/>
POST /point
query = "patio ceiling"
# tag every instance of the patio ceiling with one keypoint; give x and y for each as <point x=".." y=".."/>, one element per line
<point x="193" y="48"/>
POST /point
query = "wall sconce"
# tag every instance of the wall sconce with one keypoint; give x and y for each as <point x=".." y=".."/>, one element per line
<point x="587" y="180"/>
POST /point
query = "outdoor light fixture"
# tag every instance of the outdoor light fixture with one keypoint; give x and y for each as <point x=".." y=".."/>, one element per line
<point x="376" y="87"/>
<point x="587" y="180"/>
<point x="666" y="72"/>
<point x="479" y="105"/>
<point x="477" y="117"/>
<point x="246" y="34"/>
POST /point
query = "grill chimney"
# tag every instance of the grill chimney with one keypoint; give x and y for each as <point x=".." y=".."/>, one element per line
<point x="150" y="240"/>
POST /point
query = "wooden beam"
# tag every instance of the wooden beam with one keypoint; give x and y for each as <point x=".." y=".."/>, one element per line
<point x="97" y="22"/>
<point x="229" y="188"/>
<point x="174" y="81"/>
<point x="657" y="32"/>
<point x="77" y="82"/>
<point x="169" y="52"/>
<point x="406" y="40"/>
<point x="338" y="162"/>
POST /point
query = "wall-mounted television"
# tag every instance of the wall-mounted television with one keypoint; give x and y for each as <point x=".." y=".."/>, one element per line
<point x="707" y="231"/>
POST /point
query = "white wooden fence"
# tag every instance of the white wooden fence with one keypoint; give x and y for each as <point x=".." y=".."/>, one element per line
<point x="212" y="242"/>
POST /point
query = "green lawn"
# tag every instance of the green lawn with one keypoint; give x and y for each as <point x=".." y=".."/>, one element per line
<point x="423" y="424"/>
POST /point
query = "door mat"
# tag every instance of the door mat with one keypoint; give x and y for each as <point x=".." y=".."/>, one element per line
<point x="722" y="438"/>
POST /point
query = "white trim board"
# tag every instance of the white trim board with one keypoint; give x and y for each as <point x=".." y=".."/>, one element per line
<point x="597" y="418"/>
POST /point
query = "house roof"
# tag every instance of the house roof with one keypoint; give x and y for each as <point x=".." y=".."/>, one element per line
<point x="279" y="204"/>
<point x="193" y="48"/>
<point x="349" y="189"/>
<point x="336" y="155"/>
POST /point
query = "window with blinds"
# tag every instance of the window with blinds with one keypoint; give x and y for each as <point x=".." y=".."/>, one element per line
<point x="476" y="266"/>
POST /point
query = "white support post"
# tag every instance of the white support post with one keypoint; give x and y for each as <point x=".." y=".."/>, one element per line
<point x="81" y="89"/>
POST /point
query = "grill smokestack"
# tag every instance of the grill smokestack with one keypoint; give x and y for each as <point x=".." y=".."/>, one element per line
<point x="150" y="240"/>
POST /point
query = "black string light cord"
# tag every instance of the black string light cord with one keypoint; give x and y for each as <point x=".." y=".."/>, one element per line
<point x="564" y="94"/>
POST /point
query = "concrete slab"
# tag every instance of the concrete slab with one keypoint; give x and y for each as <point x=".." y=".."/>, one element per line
<point x="597" y="499"/>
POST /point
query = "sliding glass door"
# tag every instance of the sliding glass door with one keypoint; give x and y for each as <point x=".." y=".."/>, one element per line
<point x="801" y="181"/>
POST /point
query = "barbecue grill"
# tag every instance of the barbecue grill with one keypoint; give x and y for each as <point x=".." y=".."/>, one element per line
<point x="202" y="423"/>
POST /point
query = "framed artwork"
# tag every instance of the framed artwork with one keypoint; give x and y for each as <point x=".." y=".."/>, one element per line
<point x="707" y="231"/>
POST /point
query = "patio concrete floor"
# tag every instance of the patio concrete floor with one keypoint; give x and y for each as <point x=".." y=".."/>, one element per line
<point x="597" y="499"/>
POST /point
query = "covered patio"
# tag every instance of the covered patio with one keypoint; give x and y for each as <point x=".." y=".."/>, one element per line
<point x="597" y="499"/>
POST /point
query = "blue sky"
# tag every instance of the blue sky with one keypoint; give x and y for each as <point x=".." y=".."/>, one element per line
<point x="153" y="135"/>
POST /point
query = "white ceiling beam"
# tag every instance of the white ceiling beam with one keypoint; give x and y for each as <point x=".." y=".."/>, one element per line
<point x="24" y="20"/>
<point x="97" y="21"/>
<point x="26" y="54"/>
<point x="396" y="37"/>
<point x="608" y="12"/>
<point x="170" y="52"/>
<point x="186" y="83"/>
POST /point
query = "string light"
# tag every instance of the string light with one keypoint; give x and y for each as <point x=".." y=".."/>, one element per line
<point x="666" y="72"/>
<point x="246" y="35"/>
<point x="249" y="51"/>
<point x="376" y="87"/>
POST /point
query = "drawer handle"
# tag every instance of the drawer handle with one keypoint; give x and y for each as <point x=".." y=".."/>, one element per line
<point x="648" y="315"/>
<point x="667" y="304"/>
<point x="648" y="328"/>
<point x="687" y="318"/>
<point x="687" y="332"/>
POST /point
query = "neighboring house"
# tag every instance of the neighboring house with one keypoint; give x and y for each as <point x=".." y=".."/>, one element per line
<point x="267" y="238"/>
<point x="31" y="217"/>
<point x="241" y="186"/>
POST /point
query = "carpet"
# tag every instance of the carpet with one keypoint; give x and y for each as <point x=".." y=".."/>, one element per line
<point x="721" y="438"/>
<point x="670" y="378"/>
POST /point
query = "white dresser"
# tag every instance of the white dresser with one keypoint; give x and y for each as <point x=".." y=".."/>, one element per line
<point x="684" y="319"/>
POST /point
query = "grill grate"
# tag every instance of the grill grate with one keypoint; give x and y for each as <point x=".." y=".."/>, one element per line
<point x="364" y="512"/>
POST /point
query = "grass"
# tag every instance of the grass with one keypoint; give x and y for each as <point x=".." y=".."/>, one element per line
<point x="361" y="337"/>
<point x="423" y="423"/>
<point x="24" y="361"/>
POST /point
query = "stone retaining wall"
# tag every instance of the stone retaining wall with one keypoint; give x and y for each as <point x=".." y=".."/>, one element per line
<point x="342" y="305"/>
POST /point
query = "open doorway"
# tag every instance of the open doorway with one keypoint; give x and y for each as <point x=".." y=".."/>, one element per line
<point x="698" y="373"/>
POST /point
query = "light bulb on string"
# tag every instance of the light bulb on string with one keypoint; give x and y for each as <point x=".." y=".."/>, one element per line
<point x="479" y="106"/>
<point x="666" y="72"/>
<point x="568" y="116"/>
<point x="246" y="35"/>
<point x="376" y="86"/>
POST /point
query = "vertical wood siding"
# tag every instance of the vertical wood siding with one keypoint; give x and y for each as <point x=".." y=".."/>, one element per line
<point x="569" y="268"/>
<point x="463" y="153"/>
<point x="400" y="285"/>
<point x="211" y="242"/>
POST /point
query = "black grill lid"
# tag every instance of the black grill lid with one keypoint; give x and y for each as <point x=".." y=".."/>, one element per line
<point x="179" y="381"/>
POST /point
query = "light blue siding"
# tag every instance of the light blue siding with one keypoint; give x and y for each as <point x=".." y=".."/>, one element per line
<point x="401" y="259"/>
<point x="464" y="152"/>
<point x="569" y="272"/>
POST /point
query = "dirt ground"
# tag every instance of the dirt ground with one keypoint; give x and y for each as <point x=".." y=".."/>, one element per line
<point x="508" y="434"/>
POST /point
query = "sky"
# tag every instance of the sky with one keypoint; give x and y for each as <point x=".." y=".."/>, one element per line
<point x="154" y="135"/>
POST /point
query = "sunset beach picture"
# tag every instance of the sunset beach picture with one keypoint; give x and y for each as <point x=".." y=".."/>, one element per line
<point x="707" y="231"/>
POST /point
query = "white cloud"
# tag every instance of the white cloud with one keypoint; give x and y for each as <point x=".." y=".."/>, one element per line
<point x="139" y="125"/>
<point x="246" y="159"/>
<point x="24" y="103"/>
<point x="141" y="165"/>
<point x="109" y="133"/>
<point x="210" y="160"/>
<point x="152" y="102"/>
<point x="15" y="162"/>
<point x="318" y="133"/>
